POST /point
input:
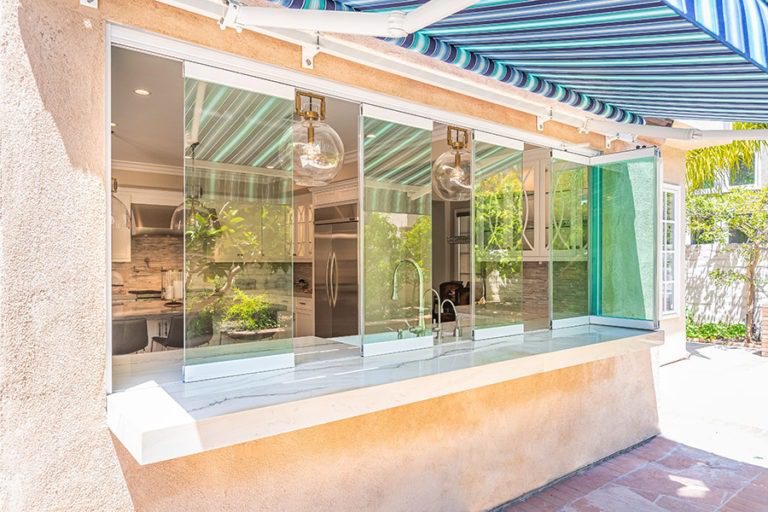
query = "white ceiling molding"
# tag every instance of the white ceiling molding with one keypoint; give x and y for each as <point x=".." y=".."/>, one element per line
<point x="124" y="165"/>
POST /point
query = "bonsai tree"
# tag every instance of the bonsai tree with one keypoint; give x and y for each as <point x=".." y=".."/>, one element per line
<point x="713" y="217"/>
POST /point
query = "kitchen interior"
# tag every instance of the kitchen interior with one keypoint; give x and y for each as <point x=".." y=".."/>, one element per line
<point x="151" y="155"/>
<point x="177" y="143"/>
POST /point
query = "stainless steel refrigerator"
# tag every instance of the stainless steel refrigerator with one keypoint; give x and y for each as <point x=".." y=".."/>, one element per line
<point x="336" y="286"/>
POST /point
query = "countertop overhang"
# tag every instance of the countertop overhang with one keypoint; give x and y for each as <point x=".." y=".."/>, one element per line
<point x="157" y="422"/>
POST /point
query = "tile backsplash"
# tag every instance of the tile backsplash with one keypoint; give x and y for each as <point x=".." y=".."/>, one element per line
<point x="167" y="252"/>
<point x="164" y="252"/>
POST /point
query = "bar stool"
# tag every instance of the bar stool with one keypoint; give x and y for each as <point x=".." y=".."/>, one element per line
<point x="129" y="336"/>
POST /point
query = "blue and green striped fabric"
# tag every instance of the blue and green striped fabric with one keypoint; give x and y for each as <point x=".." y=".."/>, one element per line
<point x="621" y="59"/>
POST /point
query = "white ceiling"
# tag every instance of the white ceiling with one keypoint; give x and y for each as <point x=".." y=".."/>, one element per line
<point x="150" y="129"/>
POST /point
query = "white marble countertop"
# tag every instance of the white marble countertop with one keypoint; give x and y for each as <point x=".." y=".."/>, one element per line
<point x="144" y="309"/>
<point x="159" y="418"/>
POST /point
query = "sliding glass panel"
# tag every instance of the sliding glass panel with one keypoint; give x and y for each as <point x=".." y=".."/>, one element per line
<point x="397" y="233"/>
<point x="625" y="206"/>
<point x="498" y="233"/>
<point x="569" y="243"/>
<point x="238" y="225"/>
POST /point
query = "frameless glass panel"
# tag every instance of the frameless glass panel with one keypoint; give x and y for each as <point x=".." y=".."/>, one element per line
<point x="238" y="231"/>
<point x="498" y="222"/>
<point x="624" y="277"/>
<point x="397" y="235"/>
<point x="569" y="240"/>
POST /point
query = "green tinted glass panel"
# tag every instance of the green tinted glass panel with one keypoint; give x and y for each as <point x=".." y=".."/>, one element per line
<point x="397" y="236"/>
<point x="238" y="224"/>
<point x="498" y="219"/>
<point x="625" y="202"/>
<point x="569" y="240"/>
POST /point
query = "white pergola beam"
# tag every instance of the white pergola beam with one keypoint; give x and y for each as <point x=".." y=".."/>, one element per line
<point x="585" y="124"/>
<point x="375" y="24"/>
<point x="344" y="22"/>
<point x="432" y="12"/>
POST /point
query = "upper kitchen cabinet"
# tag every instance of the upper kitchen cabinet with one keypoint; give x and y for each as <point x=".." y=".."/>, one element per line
<point x="121" y="226"/>
<point x="535" y="180"/>
<point x="304" y="229"/>
<point x="259" y="233"/>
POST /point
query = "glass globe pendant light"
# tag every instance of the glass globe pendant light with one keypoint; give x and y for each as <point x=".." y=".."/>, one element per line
<point x="177" y="219"/>
<point x="121" y="217"/>
<point x="452" y="171"/>
<point x="318" y="152"/>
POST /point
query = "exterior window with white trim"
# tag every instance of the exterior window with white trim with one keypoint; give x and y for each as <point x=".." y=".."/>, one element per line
<point x="669" y="250"/>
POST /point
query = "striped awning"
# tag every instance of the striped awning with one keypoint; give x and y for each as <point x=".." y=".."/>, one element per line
<point x="622" y="59"/>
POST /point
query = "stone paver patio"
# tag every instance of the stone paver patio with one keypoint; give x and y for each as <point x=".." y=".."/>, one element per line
<point x="712" y="454"/>
<point x="659" y="476"/>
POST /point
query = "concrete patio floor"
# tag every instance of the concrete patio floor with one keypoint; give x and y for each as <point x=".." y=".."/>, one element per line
<point x="712" y="454"/>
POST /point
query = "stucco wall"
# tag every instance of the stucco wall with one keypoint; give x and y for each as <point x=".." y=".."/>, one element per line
<point x="463" y="452"/>
<point x="56" y="453"/>
<point x="468" y="451"/>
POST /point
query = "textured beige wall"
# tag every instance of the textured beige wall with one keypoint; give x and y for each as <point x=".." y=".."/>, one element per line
<point x="468" y="451"/>
<point x="462" y="452"/>
<point x="55" y="452"/>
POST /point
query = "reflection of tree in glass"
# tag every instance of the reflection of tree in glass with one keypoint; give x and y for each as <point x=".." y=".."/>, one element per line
<point x="385" y="245"/>
<point x="498" y="229"/>
<point x="222" y="240"/>
<point x="570" y="210"/>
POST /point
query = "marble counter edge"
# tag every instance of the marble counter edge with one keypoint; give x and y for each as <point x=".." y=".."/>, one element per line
<point x="182" y="435"/>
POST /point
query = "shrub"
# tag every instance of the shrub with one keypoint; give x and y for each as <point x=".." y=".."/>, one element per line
<point x="715" y="331"/>
<point x="251" y="312"/>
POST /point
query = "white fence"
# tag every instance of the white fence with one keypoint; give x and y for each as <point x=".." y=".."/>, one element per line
<point x="714" y="302"/>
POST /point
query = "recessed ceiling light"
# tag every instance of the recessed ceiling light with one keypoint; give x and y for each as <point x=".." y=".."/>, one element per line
<point x="142" y="92"/>
<point x="113" y="124"/>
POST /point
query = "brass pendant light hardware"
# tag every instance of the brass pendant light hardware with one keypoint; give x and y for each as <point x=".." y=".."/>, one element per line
<point x="458" y="138"/>
<point x="310" y="114"/>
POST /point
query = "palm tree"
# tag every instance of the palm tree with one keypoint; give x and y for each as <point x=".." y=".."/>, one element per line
<point x="709" y="165"/>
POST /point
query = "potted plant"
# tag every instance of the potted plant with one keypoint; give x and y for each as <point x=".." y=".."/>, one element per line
<point x="250" y="317"/>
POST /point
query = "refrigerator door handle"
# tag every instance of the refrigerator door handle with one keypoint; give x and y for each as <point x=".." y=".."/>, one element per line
<point x="328" y="279"/>
<point x="335" y="274"/>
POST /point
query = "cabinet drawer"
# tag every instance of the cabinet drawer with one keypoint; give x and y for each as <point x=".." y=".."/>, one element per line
<point x="304" y="304"/>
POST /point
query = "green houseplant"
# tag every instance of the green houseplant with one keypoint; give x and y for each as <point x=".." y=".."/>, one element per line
<point x="249" y="317"/>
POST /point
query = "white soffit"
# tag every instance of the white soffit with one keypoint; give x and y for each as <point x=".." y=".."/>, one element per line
<point x="394" y="116"/>
<point x="497" y="140"/>
<point x="237" y="80"/>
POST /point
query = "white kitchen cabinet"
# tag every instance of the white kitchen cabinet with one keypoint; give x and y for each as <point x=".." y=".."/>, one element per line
<point x="536" y="165"/>
<point x="304" y="228"/>
<point x="121" y="236"/>
<point x="304" y="314"/>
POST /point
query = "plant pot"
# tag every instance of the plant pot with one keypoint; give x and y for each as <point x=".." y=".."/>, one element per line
<point x="261" y="334"/>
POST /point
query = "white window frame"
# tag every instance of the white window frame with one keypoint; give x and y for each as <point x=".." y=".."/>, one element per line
<point x="676" y="191"/>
